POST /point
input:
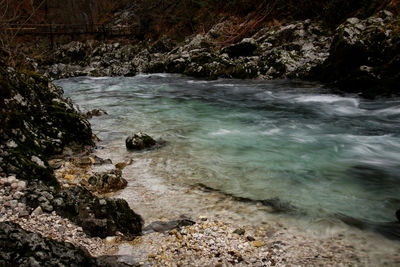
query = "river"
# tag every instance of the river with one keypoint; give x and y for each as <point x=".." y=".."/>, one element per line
<point x="309" y="152"/>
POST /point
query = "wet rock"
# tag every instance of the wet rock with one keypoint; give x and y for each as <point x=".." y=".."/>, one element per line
<point x="100" y="161"/>
<point x="278" y="205"/>
<point x="85" y="209"/>
<point x="95" y="113"/>
<point x="139" y="141"/>
<point x="160" y="226"/>
<point x="109" y="181"/>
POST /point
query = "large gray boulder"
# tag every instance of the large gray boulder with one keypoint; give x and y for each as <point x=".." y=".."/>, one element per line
<point x="364" y="56"/>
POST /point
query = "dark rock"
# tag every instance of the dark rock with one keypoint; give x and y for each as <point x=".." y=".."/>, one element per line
<point x="239" y="231"/>
<point x="244" y="48"/>
<point x="95" y="113"/>
<point x="278" y="205"/>
<point x="117" y="261"/>
<point x="250" y="238"/>
<point x="22" y="248"/>
<point x="86" y="210"/>
<point x="160" y="226"/>
<point x="100" y="161"/>
<point x="109" y="181"/>
<point x="139" y="141"/>
<point x="364" y="57"/>
<point x="163" y="45"/>
<point x="398" y="215"/>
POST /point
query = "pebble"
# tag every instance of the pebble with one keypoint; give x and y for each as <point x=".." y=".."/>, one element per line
<point x="37" y="211"/>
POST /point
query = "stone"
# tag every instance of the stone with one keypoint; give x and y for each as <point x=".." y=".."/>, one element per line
<point x="111" y="239"/>
<point x="95" y="113"/>
<point x="21" y="185"/>
<point x="13" y="203"/>
<point x="250" y="238"/>
<point x="139" y="141"/>
<point x="161" y="226"/>
<point x="106" y="182"/>
<point x="258" y="244"/>
<point x="239" y="231"/>
<point x="37" y="211"/>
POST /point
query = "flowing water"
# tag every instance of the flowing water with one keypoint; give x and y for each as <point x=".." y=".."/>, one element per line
<point x="313" y="152"/>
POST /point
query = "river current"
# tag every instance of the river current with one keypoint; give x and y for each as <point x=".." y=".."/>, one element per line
<point x="314" y="153"/>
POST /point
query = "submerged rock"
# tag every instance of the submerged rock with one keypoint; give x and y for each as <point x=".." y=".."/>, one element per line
<point x="161" y="226"/>
<point x="139" y="141"/>
<point x="95" y="113"/>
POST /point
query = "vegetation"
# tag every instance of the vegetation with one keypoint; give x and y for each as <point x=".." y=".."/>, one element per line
<point x="178" y="18"/>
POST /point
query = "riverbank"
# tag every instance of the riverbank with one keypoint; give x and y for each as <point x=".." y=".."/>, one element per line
<point x="359" y="56"/>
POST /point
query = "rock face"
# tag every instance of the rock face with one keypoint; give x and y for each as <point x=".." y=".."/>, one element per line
<point x="287" y="51"/>
<point x="22" y="248"/>
<point x="139" y="141"/>
<point x="36" y="121"/>
<point x="364" y="56"/>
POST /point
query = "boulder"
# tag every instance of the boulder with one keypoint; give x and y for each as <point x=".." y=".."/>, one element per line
<point x="364" y="56"/>
<point x="95" y="113"/>
<point x="106" y="182"/>
<point x="139" y="141"/>
<point x="98" y="217"/>
<point x="161" y="226"/>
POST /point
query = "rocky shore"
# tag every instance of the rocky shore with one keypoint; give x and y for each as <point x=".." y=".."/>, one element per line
<point x="57" y="210"/>
<point x="359" y="56"/>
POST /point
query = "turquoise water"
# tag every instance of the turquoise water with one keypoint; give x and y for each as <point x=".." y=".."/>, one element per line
<point x="321" y="153"/>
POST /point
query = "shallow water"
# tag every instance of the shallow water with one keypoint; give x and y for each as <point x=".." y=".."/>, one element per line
<point x="320" y="153"/>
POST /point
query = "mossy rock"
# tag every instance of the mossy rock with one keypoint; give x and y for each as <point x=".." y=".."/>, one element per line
<point x="36" y="123"/>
